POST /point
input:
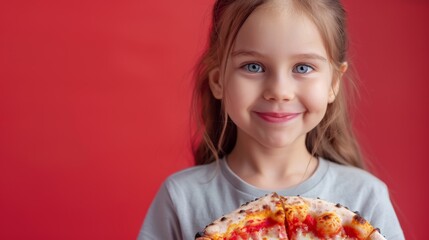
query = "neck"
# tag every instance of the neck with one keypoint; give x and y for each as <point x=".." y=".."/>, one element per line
<point x="270" y="168"/>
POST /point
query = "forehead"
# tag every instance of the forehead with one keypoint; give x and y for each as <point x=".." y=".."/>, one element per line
<point x="277" y="28"/>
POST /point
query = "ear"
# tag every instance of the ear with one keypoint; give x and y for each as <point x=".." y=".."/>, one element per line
<point x="335" y="87"/>
<point x="216" y="84"/>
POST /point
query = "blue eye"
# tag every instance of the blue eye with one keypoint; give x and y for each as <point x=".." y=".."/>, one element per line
<point x="302" y="68"/>
<point x="254" y="68"/>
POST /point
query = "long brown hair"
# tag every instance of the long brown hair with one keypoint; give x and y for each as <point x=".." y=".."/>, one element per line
<point x="216" y="134"/>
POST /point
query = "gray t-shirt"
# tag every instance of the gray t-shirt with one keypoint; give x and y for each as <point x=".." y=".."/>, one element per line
<point x="193" y="198"/>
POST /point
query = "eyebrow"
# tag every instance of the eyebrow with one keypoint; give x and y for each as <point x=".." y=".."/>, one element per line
<point x="297" y="56"/>
<point x="246" y="53"/>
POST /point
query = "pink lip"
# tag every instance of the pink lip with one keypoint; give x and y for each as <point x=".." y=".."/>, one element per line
<point x="275" y="117"/>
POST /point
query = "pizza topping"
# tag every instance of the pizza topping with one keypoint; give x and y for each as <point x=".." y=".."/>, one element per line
<point x="328" y="224"/>
<point x="299" y="212"/>
<point x="255" y="226"/>
<point x="351" y="232"/>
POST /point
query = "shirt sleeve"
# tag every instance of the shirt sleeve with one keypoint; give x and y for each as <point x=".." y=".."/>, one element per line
<point x="384" y="217"/>
<point x="161" y="220"/>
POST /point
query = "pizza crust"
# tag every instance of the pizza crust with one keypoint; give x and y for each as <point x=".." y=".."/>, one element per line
<point x="376" y="235"/>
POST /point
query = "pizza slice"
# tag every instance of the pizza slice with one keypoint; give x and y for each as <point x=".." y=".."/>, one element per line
<point x="318" y="219"/>
<point x="262" y="218"/>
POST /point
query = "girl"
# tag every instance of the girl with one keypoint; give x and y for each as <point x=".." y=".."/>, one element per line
<point x="273" y="118"/>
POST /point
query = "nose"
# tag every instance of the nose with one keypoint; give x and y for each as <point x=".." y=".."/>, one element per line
<point x="279" y="88"/>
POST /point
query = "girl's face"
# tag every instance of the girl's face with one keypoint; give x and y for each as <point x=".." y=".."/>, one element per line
<point x="278" y="80"/>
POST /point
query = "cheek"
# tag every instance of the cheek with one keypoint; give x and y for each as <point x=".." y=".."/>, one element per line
<point x="315" y="95"/>
<point x="240" y="92"/>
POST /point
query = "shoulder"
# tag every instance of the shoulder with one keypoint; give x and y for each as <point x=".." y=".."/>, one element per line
<point x="186" y="182"/>
<point x="353" y="175"/>
<point x="176" y="203"/>
<point x="351" y="186"/>
<point x="192" y="174"/>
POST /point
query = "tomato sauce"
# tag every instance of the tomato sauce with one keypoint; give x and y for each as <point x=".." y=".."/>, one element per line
<point x="351" y="232"/>
<point x="244" y="232"/>
<point x="309" y="224"/>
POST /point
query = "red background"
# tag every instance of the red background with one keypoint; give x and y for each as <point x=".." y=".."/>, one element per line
<point x="94" y="108"/>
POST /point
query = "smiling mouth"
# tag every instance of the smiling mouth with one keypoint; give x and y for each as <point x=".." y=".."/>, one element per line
<point x="275" y="117"/>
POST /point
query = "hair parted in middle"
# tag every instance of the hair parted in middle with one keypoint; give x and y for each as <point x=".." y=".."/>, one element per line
<point x="332" y="139"/>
